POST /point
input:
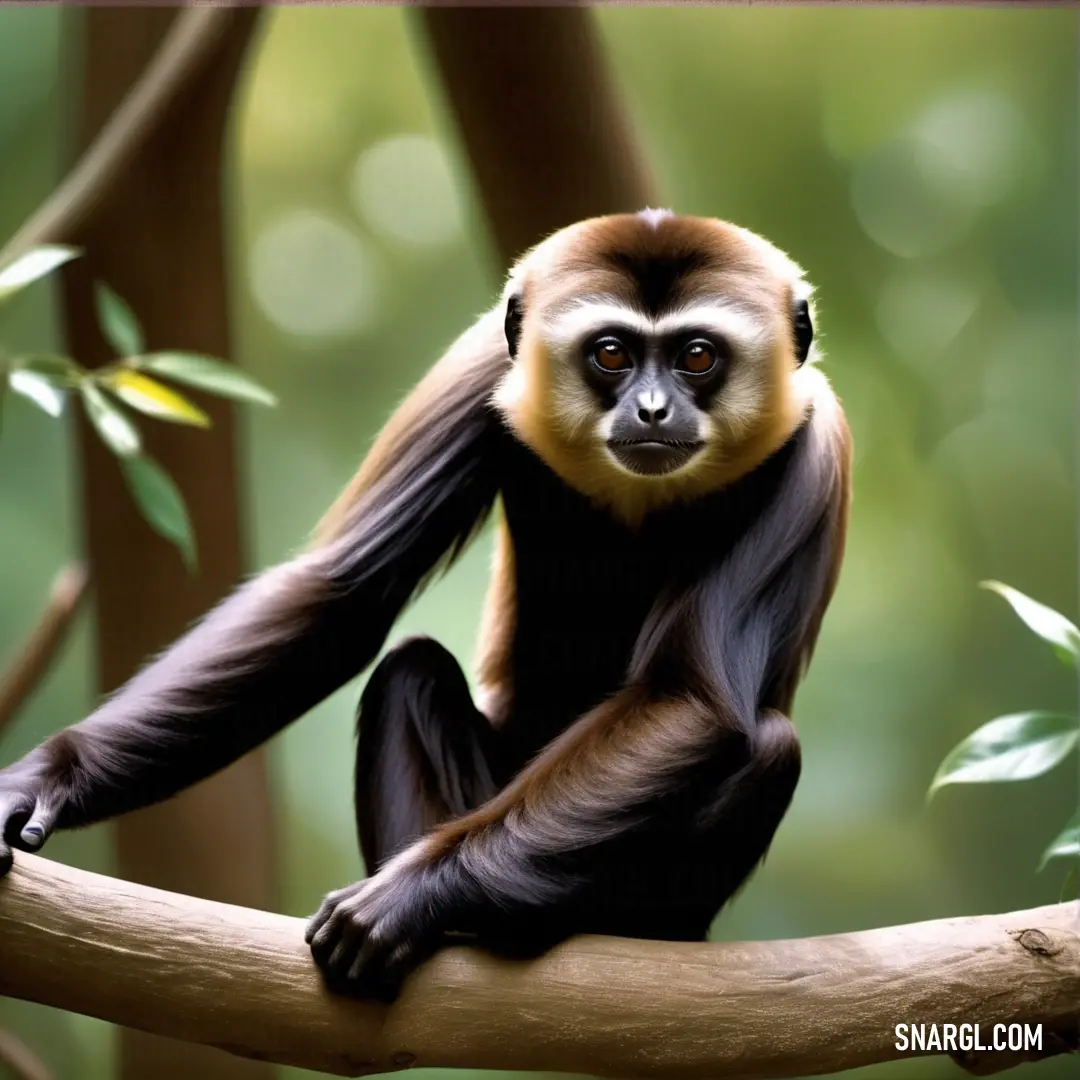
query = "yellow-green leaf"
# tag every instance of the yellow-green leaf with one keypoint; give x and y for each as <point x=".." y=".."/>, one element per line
<point x="206" y="373"/>
<point x="151" y="397"/>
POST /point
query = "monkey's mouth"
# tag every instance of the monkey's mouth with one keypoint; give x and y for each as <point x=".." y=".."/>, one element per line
<point x="653" y="457"/>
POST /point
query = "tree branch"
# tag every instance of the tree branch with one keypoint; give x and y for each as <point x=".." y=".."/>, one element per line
<point x="191" y="44"/>
<point x="29" y="666"/>
<point x="243" y="980"/>
<point x="20" y="1060"/>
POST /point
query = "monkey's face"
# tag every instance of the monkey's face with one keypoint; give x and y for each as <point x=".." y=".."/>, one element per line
<point x="655" y="357"/>
<point x="652" y="392"/>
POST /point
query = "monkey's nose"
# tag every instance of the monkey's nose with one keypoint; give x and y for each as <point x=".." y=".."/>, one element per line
<point x="652" y="416"/>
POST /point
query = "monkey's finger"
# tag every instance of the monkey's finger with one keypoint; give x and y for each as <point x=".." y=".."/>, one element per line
<point x="320" y="918"/>
<point x="325" y="939"/>
<point x="13" y="808"/>
<point x="6" y="856"/>
<point x="378" y="972"/>
<point x="318" y="921"/>
<point x="41" y="824"/>
<point x="334" y="902"/>
<point x="345" y="949"/>
<point x="368" y="962"/>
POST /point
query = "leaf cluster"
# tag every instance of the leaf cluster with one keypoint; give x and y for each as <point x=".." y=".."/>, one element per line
<point x="1023" y="745"/>
<point x="130" y="384"/>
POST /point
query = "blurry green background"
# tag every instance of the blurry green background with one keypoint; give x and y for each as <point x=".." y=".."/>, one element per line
<point x="921" y="164"/>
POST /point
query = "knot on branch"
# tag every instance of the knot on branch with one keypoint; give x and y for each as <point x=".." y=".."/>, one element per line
<point x="1038" y="942"/>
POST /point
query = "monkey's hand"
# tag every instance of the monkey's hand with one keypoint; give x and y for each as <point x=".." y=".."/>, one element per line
<point x="367" y="937"/>
<point x="30" y="803"/>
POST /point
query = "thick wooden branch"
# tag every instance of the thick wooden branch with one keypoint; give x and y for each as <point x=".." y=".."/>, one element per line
<point x="243" y="980"/>
<point x="29" y="666"/>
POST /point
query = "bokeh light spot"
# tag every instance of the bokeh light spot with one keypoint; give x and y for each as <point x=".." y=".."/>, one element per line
<point x="404" y="187"/>
<point x="974" y="147"/>
<point x="313" y="276"/>
<point x="899" y="209"/>
<point x="921" y="314"/>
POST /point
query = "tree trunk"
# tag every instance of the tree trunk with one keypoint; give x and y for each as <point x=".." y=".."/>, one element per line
<point x="541" y="118"/>
<point x="158" y="240"/>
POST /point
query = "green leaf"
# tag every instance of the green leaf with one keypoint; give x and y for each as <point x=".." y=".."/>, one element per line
<point x="1066" y="844"/>
<point x="38" y="389"/>
<point x="1047" y="623"/>
<point x="206" y="373"/>
<point x="32" y="266"/>
<point x="117" y="321"/>
<point x="161" y="504"/>
<point x="61" y="371"/>
<point x="150" y="397"/>
<point x="117" y="432"/>
<point x="1016" y="747"/>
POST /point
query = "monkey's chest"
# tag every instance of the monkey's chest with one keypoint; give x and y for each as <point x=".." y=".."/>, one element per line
<point x="580" y="607"/>
<point x="584" y="586"/>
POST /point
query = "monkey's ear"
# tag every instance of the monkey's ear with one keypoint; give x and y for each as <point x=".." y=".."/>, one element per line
<point x="804" y="330"/>
<point x="512" y="324"/>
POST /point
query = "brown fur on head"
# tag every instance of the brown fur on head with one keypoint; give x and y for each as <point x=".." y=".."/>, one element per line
<point x="655" y="271"/>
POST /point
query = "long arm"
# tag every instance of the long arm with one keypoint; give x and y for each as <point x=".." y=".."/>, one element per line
<point x="693" y="751"/>
<point x="290" y="636"/>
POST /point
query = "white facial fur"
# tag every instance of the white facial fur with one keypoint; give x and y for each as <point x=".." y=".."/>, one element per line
<point x="750" y="335"/>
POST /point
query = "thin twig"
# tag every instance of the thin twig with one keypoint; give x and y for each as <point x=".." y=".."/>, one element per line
<point x="184" y="53"/>
<point x="20" y="1060"/>
<point x="28" y="668"/>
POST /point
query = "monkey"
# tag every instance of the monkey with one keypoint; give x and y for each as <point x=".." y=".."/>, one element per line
<point x="644" y="411"/>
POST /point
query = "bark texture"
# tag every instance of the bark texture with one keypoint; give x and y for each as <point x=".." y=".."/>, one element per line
<point x="244" y="981"/>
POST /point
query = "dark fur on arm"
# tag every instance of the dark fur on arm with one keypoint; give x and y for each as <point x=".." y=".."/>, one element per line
<point x="289" y="637"/>
<point x="693" y="762"/>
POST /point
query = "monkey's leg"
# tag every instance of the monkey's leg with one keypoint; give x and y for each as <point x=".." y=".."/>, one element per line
<point x="425" y="753"/>
<point x="738" y="823"/>
<point x="670" y="879"/>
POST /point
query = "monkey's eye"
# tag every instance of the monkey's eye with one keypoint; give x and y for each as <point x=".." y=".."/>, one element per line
<point x="697" y="358"/>
<point x="610" y="355"/>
